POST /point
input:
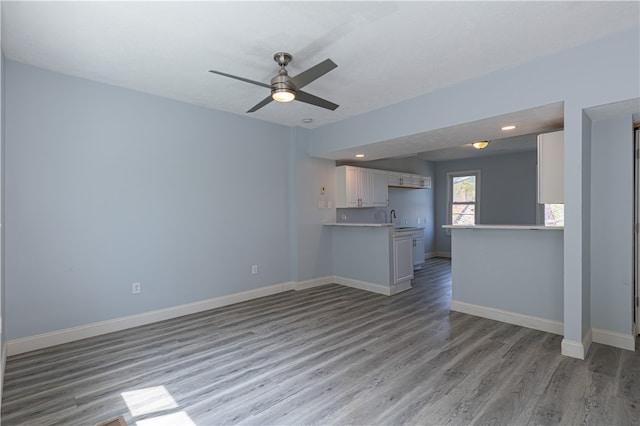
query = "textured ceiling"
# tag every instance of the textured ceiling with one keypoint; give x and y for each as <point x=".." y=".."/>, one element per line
<point x="386" y="52"/>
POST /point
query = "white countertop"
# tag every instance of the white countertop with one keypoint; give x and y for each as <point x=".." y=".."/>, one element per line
<point x="517" y="227"/>
<point x="376" y="225"/>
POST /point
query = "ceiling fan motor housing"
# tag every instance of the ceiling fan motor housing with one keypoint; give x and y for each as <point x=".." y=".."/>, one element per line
<point x="281" y="89"/>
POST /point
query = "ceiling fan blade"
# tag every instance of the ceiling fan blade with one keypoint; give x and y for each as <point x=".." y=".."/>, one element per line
<point x="306" y="77"/>
<point x="262" y="103"/>
<point x="268" y="86"/>
<point x="314" y="100"/>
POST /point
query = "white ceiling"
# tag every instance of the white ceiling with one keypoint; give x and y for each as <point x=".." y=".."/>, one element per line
<point x="386" y="52"/>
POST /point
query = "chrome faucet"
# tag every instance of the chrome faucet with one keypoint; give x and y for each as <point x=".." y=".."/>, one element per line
<point x="392" y="216"/>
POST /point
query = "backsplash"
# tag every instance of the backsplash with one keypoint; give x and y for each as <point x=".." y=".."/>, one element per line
<point x="363" y="215"/>
<point x="412" y="208"/>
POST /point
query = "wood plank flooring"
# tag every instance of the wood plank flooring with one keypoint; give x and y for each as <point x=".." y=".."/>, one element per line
<point x="327" y="355"/>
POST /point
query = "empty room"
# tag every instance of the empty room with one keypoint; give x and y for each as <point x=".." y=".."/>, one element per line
<point x="288" y="213"/>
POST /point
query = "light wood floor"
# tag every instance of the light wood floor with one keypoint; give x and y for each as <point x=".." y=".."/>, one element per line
<point x="328" y="355"/>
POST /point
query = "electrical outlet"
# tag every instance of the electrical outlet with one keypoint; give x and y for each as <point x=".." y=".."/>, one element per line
<point x="254" y="269"/>
<point x="418" y="221"/>
<point x="135" y="288"/>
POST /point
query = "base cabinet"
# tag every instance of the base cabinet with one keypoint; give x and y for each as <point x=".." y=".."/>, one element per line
<point x="402" y="258"/>
<point x="418" y="249"/>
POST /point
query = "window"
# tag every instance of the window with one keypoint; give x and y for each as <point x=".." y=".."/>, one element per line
<point x="464" y="197"/>
<point x="554" y="215"/>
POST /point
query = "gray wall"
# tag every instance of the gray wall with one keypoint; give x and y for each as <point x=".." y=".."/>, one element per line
<point x="586" y="222"/>
<point x="362" y="253"/>
<point x="507" y="191"/>
<point x="611" y="219"/>
<point x="2" y="285"/>
<point x="107" y="186"/>
<point x="409" y="204"/>
<point x="487" y="279"/>
<point x="311" y="253"/>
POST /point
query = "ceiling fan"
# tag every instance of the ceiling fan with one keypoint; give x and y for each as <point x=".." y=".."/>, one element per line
<point x="285" y="88"/>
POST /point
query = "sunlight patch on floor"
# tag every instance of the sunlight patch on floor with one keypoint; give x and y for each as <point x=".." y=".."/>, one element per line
<point x="152" y="400"/>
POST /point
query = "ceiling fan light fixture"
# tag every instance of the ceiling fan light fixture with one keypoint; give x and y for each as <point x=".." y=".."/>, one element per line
<point x="480" y="144"/>
<point x="283" y="94"/>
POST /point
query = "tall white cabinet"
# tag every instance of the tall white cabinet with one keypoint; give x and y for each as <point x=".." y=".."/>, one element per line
<point x="551" y="168"/>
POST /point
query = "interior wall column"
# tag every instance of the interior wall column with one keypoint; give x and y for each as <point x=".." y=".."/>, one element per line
<point x="577" y="229"/>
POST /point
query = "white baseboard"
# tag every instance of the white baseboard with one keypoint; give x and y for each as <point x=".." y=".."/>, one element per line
<point x="443" y="254"/>
<point x="372" y="287"/>
<point x="430" y="254"/>
<point x="573" y="349"/>
<point x="363" y="285"/>
<point x="537" y="323"/>
<point x="44" y="340"/>
<point x="586" y="341"/>
<point x="315" y="282"/>
<point x="612" y="338"/>
<point x="3" y="364"/>
<point x="576" y="349"/>
<point x="400" y="287"/>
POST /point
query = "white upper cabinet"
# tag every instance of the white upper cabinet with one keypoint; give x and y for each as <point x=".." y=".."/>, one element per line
<point x="400" y="179"/>
<point x="364" y="187"/>
<point x="406" y="180"/>
<point x="379" y="189"/>
<point x="358" y="187"/>
<point x="420" y="181"/>
<point x="347" y="192"/>
<point x="551" y="168"/>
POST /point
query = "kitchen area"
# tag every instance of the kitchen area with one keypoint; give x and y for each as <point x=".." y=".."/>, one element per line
<point x="506" y="264"/>
<point x="391" y="214"/>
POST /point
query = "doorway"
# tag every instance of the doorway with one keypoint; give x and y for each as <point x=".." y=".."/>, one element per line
<point x="636" y="245"/>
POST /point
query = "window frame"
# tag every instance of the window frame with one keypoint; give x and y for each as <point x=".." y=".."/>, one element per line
<point x="450" y="176"/>
<point x="541" y="219"/>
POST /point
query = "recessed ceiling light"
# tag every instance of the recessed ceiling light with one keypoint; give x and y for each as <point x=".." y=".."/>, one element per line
<point x="509" y="127"/>
<point x="359" y="155"/>
<point x="307" y="120"/>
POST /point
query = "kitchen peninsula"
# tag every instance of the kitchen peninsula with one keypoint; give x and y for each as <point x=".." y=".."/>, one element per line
<point x="372" y="256"/>
<point x="509" y="273"/>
